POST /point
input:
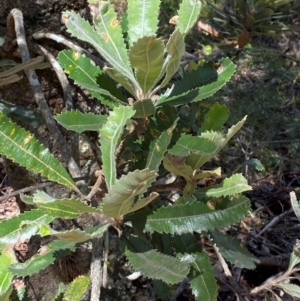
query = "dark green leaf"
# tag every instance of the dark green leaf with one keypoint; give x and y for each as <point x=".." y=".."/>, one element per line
<point x="143" y="108"/>
<point x="153" y="264"/>
<point x="233" y="250"/>
<point x="196" y="216"/>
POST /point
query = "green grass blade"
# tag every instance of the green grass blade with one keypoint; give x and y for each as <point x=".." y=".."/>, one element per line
<point x="141" y="22"/>
<point x="110" y="135"/>
<point x="22" y="147"/>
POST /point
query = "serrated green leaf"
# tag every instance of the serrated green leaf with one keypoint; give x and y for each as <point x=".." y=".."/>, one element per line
<point x="196" y="217"/>
<point x="27" y="199"/>
<point x="233" y="251"/>
<point x="204" y="174"/>
<point x="110" y="135"/>
<point x="188" y="14"/>
<point x="40" y="261"/>
<point x="177" y="166"/>
<point x="188" y="144"/>
<point x="146" y="56"/>
<point x="185" y="243"/>
<point x="22" y="147"/>
<point x="121" y="199"/>
<point x="107" y="40"/>
<point x="255" y="163"/>
<point x="80" y="122"/>
<point x="291" y="289"/>
<point x="215" y="118"/>
<point x="196" y="161"/>
<point x="162" y="290"/>
<point x="201" y="276"/>
<point x="62" y="208"/>
<point x="158" y="147"/>
<point x="230" y="186"/>
<point x="143" y="108"/>
<point x="295" y="204"/>
<point x="77" y="288"/>
<point x="186" y="89"/>
<point x="144" y="202"/>
<point x="225" y="72"/>
<point x="22" y="227"/>
<point x="175" y="49"/>
<point x="141" y="23"/>
<point x="90" y="77"/>
<point x="7" y="257"/>
<point x="78" y="236"/>
<point x="295" y="256"/>
<point x="153" y="264"/>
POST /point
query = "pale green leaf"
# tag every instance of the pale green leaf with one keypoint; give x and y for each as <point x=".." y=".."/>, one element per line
<point x="142" y="19"/>
<point x="107" y="40"/>
<point x="77" y="288"/>
<point x="7" y="257"/>
<point x="121" y="199"/>
<point x="80" y="122"/>
<point x="144" y="202"/>
<point x="295" y="204"/>
<point x="175" y="50"/>
<point x="196" y="216"/>
<point x="110" y="136"/>
<point x="63" y="208"/>
<point x="234" y="129"/>
<point x="90" y="77"/>
<point x="188" y="144"/>
<point x="202" y="278"/>
<point x="295" y="256"/>
<point x="78" y="236"/>
<point x="153" y="264"/>
<point x="22" y="147"/>
<point x="291" y="289"/>
<point x="233" y="250"/>
<point x="188" y="14"/>
<point x="158" y="147"/>
<point x="146" y="56"/>
<point x="143" y="108"/>
<point x="230" y="186"/>
<point x="204" y="174"/>
<point x="177" y="166"/>
<point x="22" y="227"/>
<point x="48" y="254"/>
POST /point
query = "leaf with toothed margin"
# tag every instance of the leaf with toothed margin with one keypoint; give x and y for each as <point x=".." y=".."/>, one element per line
<point x="107" y="38"/>
<point x="154" y="264"/>
<point x="196" y="216"/>
<point x="110" y="136"/>
<point x="47" y="255"/>
<point x="22" y="147"/>
<point x="141" y="23"/>
<point x="90" y="77"/>
<point x="123" y="197"/>
<point x="62" y="208"/>
<point x="22" y="227"/>
<point x="80" y="122"/>
<point x="77" y="288"/>
<point x="7" y="257"/>
<point x="188" y="14"/>
<point x="201" y="276"/>
<point x="146" y="57"/>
